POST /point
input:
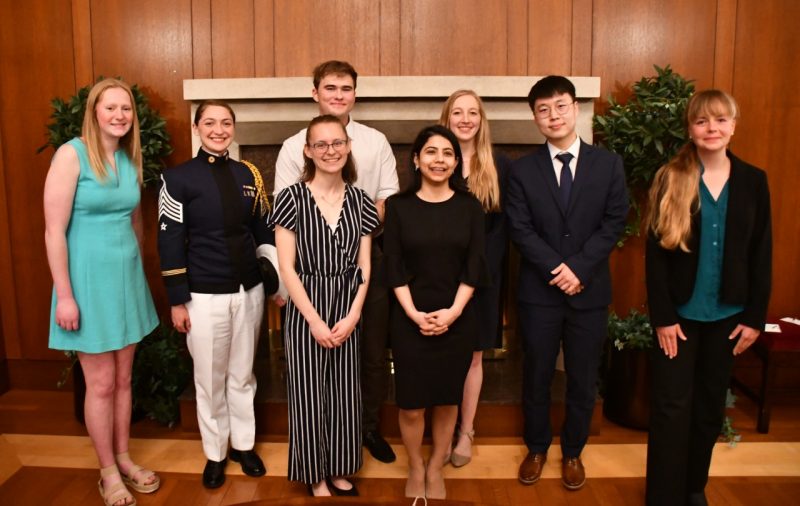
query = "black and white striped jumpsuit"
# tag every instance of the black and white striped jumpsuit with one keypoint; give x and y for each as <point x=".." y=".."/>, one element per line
<point x="323" y="384"/>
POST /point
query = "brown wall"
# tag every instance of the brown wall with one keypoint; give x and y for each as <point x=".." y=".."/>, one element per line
<point x="50" y="48"/>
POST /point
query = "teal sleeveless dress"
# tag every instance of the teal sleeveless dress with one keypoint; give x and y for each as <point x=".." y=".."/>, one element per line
<point x="105" y="264"/>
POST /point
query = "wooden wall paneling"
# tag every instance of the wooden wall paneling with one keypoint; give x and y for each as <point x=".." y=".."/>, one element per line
<point x="264" y="37"/>
<point x="627" y="39"/>
<point x="517" y="34"/>
<point x="724" y="44"/>
<point x="149" y="43"/>
<point x="390" y="38"/>
<point x="630" y="37"/>
<point x="8" y="304"/>
<point x="765" y="85"/>
<point x="233" y="38"/>
<point x="581" y="44"/>
<point x="454" y="37"/>
<point x="202" y="67"/>
<point x="308" y="32"/>
<point x="82" y="42"/>
<point x="627" y="276"/>
<point x="36" y="65"/>
<point x="550" y="37"/>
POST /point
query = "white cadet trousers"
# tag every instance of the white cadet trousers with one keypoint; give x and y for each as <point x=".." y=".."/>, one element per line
<point x="222" y="341"/>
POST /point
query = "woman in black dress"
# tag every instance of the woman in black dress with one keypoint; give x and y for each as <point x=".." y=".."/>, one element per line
<point x="435" y="257"/>
<point x="485" y="174"/>
<point x="709" y="266"/>
<point x="322" y="231"/>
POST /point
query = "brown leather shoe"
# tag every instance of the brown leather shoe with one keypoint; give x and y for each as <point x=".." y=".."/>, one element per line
<point x="531" y="468"/>
<point x="572" y="474"/>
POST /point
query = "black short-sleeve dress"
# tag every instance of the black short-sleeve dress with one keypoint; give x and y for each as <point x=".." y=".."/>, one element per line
<point x="433" y="247"/>
<point x="488" y="299"/>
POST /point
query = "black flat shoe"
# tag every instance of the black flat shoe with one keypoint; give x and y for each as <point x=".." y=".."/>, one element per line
<point x="252" y="465"/>
<point x="214" y="473"/>
<point x="352" y="492"/>
<point x="696" y="499"/>
<point x="378" y="447"/>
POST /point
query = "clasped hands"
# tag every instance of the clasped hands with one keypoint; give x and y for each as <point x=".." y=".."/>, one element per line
<point x="336" y="336"/>
<point x="436" y="322"/>
<point x="566" y="280"/>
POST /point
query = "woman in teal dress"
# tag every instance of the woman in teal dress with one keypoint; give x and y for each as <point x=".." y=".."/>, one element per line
<point x="101" y="304"/>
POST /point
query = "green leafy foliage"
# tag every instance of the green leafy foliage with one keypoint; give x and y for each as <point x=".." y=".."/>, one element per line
<point x="161" y="370"/>
<point x="646" y="131"/>
<point x="72" y="356"/>
<point x="728" y="433"/>
<point x="67" y="119"/>
<point x="630" y="333"/>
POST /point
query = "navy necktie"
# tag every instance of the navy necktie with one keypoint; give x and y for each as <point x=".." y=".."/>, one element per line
<point x="566" y="178"/>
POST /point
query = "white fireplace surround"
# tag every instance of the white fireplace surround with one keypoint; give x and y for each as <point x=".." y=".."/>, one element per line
<point x="268" y="110"/>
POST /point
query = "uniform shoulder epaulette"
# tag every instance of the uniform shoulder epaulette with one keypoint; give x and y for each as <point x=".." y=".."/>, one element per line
<point x="260" y="202"/>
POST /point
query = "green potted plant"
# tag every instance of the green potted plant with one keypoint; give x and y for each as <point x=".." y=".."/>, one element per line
<point x="627" y="378"/>
<point x="67" y="119"/>
<point x="161" y="370"/>
<point x="646" y="131"/>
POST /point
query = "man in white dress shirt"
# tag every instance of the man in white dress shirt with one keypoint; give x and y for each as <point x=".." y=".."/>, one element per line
<point x="335" y="92"/>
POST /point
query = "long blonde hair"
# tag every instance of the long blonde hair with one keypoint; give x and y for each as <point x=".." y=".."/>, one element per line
<point x="482" y="180"/>
<point x="91" y="133"/>
<point x="674" y="194"/>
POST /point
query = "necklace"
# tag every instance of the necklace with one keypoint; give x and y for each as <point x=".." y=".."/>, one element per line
<point x="333" y="201"/>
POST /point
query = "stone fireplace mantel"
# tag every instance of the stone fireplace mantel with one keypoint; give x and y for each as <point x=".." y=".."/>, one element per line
<point x="268" y="110"/>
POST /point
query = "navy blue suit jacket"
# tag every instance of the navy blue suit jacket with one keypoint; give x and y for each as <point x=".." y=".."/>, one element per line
<point x="581" y="236"/>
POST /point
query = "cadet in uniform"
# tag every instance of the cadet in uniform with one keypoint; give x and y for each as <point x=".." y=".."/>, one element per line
<point x="212" y="213"/>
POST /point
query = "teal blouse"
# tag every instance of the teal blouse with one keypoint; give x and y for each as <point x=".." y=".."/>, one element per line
<point x="704" y="304"/>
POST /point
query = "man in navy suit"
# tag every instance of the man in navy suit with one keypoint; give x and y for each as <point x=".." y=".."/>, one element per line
<point x="566" y="207"/>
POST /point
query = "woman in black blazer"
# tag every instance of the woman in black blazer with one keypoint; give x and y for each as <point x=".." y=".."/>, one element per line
<point x="709" y="268"/>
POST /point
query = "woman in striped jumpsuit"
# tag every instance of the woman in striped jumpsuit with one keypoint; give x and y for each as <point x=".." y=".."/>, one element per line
<point x="322" y="231"/>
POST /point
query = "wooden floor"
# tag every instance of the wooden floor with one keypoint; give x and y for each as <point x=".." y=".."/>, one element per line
<point x="67" y="487"/>
<point x="45" y="458"/>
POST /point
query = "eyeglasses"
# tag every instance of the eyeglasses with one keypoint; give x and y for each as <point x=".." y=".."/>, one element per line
<point x="322" y="147"/>
<point x="545" y="111"/>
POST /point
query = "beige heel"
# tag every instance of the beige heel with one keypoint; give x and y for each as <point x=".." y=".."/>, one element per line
<point x="457" y="459"/>
<point x="435" y="489"/>
<point x="415" y="487"/>
<point x="116" y="492"/>
<point x="137" y="476"/>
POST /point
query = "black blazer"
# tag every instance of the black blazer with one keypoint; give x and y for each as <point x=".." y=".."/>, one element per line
<point x="582" y="236"/>
<point x="746" y="261"/>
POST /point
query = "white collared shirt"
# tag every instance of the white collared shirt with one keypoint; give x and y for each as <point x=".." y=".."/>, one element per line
<point x="573" y="149"/>
<point x="375" y="164"/>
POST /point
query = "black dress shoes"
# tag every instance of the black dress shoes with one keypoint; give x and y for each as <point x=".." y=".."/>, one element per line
<point x="378" y="447"/>
<point x="214" y="473"/>
<point x="352" y="491"/>
<point x="252" y="465"/>
<point x="697" y="499"/>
